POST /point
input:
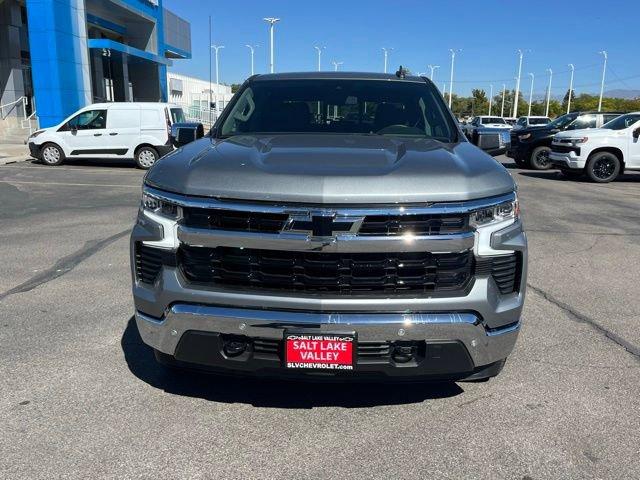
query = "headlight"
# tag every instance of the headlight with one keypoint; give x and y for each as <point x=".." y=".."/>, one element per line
<point x="524" y="137"/>
<point x="578" y="141"/>
<point x="35" y="134"/>
<point x="496" y="214"/>
<point x="153" y="204"/>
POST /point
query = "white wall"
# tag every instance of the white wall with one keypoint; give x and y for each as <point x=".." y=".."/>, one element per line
<point x="195" y="91"/>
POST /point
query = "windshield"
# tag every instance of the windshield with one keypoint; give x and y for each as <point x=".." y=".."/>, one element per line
<point x="538" y="121"/>
<point x="340" y="106"/>
<point x="487" y="120"/>
<point x="563" y="121"/>
<point x="622" y="122"/>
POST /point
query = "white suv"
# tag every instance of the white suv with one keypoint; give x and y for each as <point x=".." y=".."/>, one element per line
<point x="601" y="153"/>
<point x="129" y="130"/>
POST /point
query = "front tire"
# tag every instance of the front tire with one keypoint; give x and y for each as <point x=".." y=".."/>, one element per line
<point x="603" y="167"/>
<point x="540" y="158"/>
<point x="146" y="157"/>
<point x="52" y="154"/>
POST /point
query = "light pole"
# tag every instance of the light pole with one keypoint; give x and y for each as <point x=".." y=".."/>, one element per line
<point x="533" y="77"/>
<point x="319" y="50"/>
<point x="271" y="21"/>
<point x="216" y="48"/>
<point x="491" y="99"/>
<point x="549" y="91"/>
<point x="453" y="59"/>
<point x="570" y="88"/>
<point x="386" y="57"/>
<point x="515" y="101"/>
<point x="251" y="49"/>
<point x="604" y="71"/>
<point x="432" y="68"/>
<point x="210" y="87"/>
<point x="335" y="69"/>
<point x="504" y="91"/>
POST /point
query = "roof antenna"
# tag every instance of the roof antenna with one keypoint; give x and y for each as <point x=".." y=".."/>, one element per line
<point x="401" y="72"/>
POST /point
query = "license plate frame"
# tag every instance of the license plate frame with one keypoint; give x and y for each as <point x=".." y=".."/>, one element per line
<point x="318" y="358"/>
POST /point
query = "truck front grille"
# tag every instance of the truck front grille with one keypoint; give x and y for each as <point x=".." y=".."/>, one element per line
<point x="327" y="272"/>
<point x="382" y="225"/>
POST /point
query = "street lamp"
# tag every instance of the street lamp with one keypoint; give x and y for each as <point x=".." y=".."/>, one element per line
<point x="453" y="58"/>
<point x="504" y="91"/>
<point x="251" y="49"/>
<point x="531" y="92"/>
<point x="604" y="71"/>
<point x="570" y="88"/>
<point x="491" y="99"/>
<point x="319" y="50"/>
<point x="336" y="65"/>
<point x="549" y="91"/>
<point x="386" y="57"/>
<point x="216" y="48"/>
<point x="271" y="21"/>
<point x="432" y="68"/>
<point x="515" y="101"/>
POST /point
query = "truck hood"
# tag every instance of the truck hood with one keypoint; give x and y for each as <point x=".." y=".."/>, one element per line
<point x="585" y="132"/>
<point x="330" y="169"/>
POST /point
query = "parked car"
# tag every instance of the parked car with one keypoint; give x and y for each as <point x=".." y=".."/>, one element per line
<point x="483" y="121"/>
<point x="510" y="120"/>
<point x="601" y="153"/>
<point x="531" y="122"/>
<point x="530" y="147"/>
<point x="127" y="130"/>
<point x="283" y="244"/>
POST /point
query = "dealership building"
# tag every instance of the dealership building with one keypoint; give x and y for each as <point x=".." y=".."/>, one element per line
<point x="59" y="55"/>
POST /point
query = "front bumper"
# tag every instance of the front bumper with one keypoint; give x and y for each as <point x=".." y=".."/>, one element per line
<point x="566" y="160"/>
<point x="34" y="150"/>
<point x="519" y="150"/>
<point x="482" y="322"/>
<point x="447" y="345"/>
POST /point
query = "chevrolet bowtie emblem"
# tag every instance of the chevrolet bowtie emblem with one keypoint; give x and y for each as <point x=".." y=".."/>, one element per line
<point x="321" y="224"/>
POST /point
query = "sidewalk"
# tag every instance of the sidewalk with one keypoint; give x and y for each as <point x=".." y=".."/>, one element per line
<point x="11" y="153"/>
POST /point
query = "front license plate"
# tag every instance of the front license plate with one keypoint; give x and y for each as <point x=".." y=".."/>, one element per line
<point x="324" y="351"/>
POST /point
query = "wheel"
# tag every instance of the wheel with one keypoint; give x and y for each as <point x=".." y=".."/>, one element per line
<point x="603" y="167"/>
<point x="540" y="158"/>
<point x="146" y="157"/>
<point x="52" y="154"/>
<point x="571" y="174"/>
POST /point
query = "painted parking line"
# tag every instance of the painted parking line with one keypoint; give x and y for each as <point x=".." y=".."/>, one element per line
<point x="79" y="168"/>
<point x="139" y="186"/>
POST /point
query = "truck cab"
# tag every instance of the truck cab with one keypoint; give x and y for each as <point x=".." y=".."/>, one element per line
<point x="603" y="153"/>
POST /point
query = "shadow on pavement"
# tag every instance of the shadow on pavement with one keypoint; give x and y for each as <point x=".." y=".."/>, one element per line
<point x="93" y="162"/>
<point x="555" y="175"/>
<point x="271" y="393"/>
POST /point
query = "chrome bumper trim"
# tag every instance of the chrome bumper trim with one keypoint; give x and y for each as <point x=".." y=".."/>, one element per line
<point x="453" y="243"/>
<point x="408" y="209"/>
<point x="485" y="346"/>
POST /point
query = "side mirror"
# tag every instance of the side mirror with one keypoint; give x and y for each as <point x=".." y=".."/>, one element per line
<point x="494" y="141"/>
<point x="636" y="133"/>
<point x="183" y="133"/>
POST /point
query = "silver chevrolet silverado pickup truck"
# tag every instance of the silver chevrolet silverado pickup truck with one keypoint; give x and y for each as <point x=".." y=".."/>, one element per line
<point x="331" y="225"/>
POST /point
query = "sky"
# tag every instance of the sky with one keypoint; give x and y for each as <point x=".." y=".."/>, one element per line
<point x="552" y="34"/>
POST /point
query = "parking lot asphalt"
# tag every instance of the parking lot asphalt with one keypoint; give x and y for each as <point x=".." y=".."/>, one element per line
<point x="81" y="396"/>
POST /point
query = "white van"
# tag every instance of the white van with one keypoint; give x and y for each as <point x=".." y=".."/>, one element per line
<point x="132" y="130"/>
